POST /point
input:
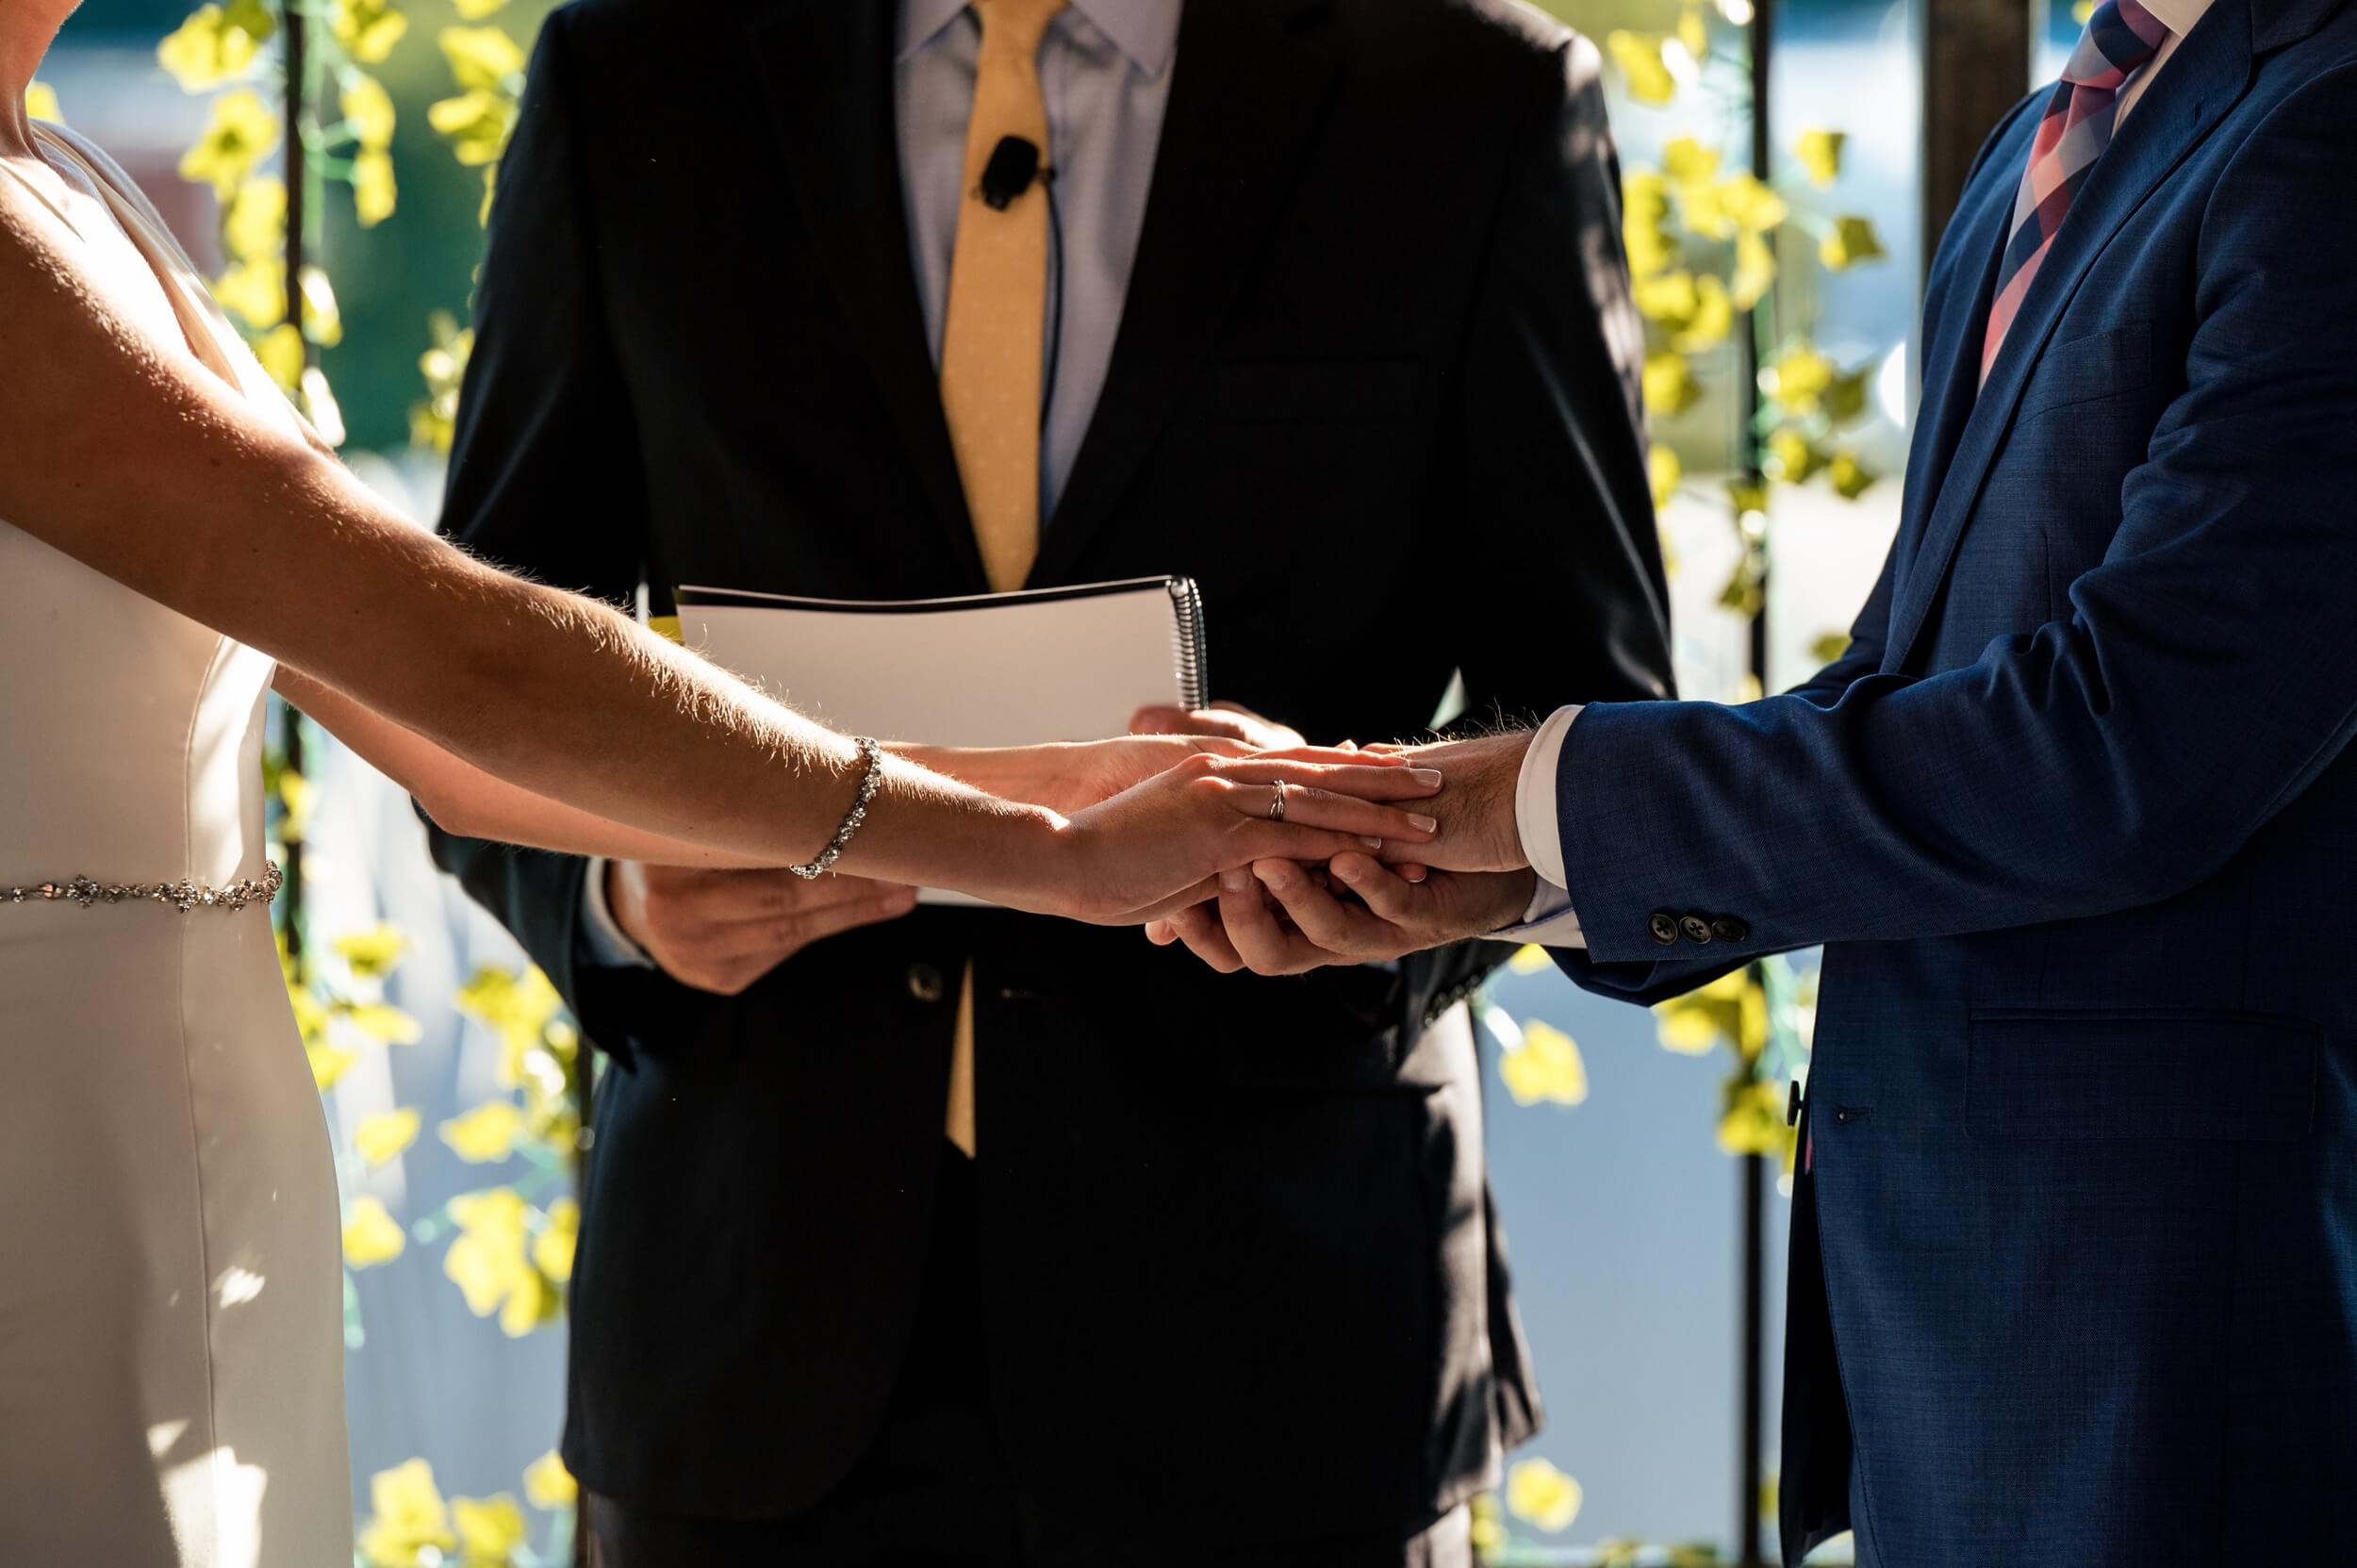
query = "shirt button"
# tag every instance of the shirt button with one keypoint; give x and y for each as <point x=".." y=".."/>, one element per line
<point x="1663" y="928"/>
<point x="925" y="982"/>
<point x="1726" y="927"/>
<point x="1697" y="930"/>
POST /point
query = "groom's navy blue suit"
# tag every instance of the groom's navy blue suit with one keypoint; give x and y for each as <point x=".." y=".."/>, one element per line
<point x="2075" y="1265"/>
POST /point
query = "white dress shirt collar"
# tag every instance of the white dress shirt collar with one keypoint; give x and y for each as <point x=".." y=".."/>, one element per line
<point x="1146" y="31"/>
<point x="2178" y="16"/>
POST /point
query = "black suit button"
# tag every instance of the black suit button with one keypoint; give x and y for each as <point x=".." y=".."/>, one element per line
<point x="1697" y="930"/>
<point x="1726" y="927"/>
<point x="925" y="982"/>
<point x="1664" y="927"/>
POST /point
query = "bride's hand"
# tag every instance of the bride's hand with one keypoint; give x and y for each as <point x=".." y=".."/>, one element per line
<point x="1160" y="845"/>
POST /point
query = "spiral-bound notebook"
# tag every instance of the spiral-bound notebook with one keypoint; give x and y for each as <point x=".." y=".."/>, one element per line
<point x="990" y="669"/>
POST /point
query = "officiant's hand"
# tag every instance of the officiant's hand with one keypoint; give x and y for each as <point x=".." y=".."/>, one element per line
<point x="722" y="931"/>
<point x="1230" y="721"/>
<point x="1279" y="918"/>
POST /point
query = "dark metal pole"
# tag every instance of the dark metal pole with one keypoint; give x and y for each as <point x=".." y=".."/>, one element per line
<point x="292" y="22"/>
<point x="1752" y="1219"/>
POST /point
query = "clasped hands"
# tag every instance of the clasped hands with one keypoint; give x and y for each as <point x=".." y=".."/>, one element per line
<point x="1282" y="918"/>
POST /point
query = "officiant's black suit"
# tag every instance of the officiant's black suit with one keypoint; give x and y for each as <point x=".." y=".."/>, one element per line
<point x="1374" y="388"/>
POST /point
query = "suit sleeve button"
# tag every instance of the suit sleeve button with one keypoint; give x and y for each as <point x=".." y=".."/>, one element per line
<point x="925" y="982"/>
<point x="1663" y="927"/>
<point x="1697" y="930"/>
<point x="1726" y="927"/>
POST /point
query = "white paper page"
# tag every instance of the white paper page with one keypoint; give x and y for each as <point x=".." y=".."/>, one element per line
<point x="1007" y="670"/>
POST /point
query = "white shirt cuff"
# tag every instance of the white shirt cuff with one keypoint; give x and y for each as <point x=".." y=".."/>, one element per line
<point x="1549" y="922"/>
<point x="603" y="939"/>
<point x="1535" y="810"/>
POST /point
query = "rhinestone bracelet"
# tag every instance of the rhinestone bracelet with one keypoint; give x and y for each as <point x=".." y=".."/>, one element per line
<point x="183" y="896"/>
<point x="873" y="755"/>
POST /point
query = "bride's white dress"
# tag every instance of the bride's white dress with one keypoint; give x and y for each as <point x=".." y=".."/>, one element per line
<point x="170" y="1351"/>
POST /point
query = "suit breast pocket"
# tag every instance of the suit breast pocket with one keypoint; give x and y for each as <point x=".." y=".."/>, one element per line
<point x="2190" y="1075"/>
<point x="1305" y="391"/>
<point x="2086" y="370"/>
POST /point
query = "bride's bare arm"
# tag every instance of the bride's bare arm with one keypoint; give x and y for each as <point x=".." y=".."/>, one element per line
<point x="129" y="456"/>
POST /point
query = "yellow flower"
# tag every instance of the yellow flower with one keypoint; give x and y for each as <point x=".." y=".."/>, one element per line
<point x="1546" y="1065"/>
<point x="372" y="952"/>
<point x="1819" y="152"/>
<point x="1694" y="32"/>
<point x="40" y="103"/>
<point x="1799" y="379"/>
<point x="487" y="1259"/>
<point x="367" y="30"/>
<point x="476" y="122"/>
<point x="522" y="1007"/>
<point x="280" y="350"/>
<point x="1829" y="647"/>
<point x="490" y="189"/>
<point x="299" y="794"/>
<point x="1488" y="1531"/>
<point x="1664" y="470"/>
<point x="376" y="1019"/>
<point x="322" y="322"/>
<point x="371" y="1236"/>
<point x="481" y="58"/>
<point x="255" y="228"/>
<point x="240" y="134"/>
<point x="1638" y="56"/>
<point x="1849" y="477"/>
<point x="490" y="1530"/>
<point x="1731" y="1008"/>
<point x="485" y="1133"/>
<point x="1669" y="387"/>
<point x="548" y="1485"/>
<point x="255" y="290"/>
<point x="206" y="50"/>
<point x="553" y="1250"/>
<point x="1755" y="1118"/>
<point x="407" y="1517"/>
<point x="1540" y="1493"/>
<point x="328" y="1062"/>
<point x="369" y="110"/>
<point x="373" y="191"/>
<point x="1755" y="269"/>
<point x="1754" y="207"/>
<point x="1687" y="162"/>
<point x="475" y="10"/>
<point x="1530" y="960"/>
<point x="1852" y="241"/>
<point x="381" y="1137"/>
<point x="1668" y="298"/>
<point x="1792" y="456"/>
<point x="1713" y="318"/>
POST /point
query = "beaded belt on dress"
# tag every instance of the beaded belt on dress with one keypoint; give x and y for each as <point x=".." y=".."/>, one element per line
<point x="182" y="896"/>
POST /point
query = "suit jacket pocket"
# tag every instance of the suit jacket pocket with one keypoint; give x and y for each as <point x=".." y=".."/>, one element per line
<point x="2101" y="365"/>
<point x="1295" y="390"/>
<point x="2160" y="1074"/>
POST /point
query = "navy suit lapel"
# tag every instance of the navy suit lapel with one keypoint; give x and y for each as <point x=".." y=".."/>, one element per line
<point x="1963" y="281"/>
<point x="2206" y="76"/>
<point x="1252" y="79"/>
<point x="829" y="70"/>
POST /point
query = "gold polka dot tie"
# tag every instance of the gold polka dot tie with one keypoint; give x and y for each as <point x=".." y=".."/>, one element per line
<point x="992" y="351"/>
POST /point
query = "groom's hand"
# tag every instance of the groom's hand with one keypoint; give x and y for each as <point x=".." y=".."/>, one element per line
<point x="722" y="931"/>
<point x="1281" y="919"/>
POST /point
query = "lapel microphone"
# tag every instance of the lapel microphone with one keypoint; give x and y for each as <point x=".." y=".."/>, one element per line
<point x="1013" y="165"/>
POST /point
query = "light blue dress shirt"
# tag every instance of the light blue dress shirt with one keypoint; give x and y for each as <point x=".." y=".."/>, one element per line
<point x="1105" y="69"/>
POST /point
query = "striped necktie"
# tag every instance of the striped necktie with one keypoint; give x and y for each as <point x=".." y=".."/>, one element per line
<point x="2121" y="35"/>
